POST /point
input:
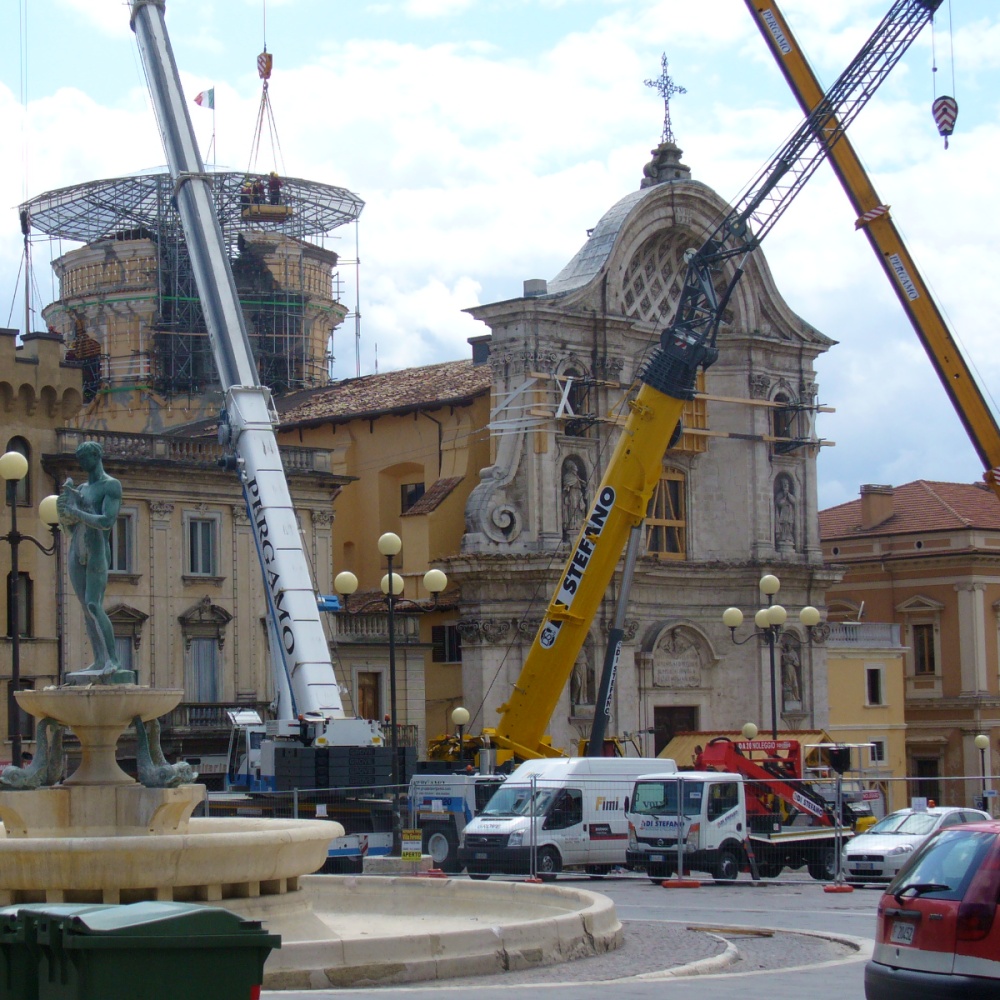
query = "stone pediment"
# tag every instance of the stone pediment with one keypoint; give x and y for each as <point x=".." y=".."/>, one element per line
<point x="919" y="605"/>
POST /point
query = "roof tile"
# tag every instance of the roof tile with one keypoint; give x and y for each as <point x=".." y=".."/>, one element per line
<point x="921" y="506"/>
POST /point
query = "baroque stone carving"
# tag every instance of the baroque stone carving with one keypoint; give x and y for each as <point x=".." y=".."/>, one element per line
<point x="488" y="631"/>
<point x="161" y="510"/>
<point x="677" y="661"/>
<point x="760" y="386"/>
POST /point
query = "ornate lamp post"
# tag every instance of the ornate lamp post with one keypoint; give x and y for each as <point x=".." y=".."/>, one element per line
<point x="769" y="621"/>
<point x="346" y="583"/>
<point x="13" y="468"/>
<point x="982" y="742"/>
<point x="460" y="718"/>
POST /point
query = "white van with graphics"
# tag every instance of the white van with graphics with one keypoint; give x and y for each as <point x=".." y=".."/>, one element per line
<point x="563" y="813"/>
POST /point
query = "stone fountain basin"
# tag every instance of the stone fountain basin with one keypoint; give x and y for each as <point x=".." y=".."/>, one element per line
<point x="215" y="859"/>
<point x="98" y="715"/>
<point x="101" y="705"/>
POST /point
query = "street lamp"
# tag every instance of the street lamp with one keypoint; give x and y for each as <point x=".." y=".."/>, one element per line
<point x="460" y="718"/>
<point x="346" y="583"/>
<point x="768" y="622"/>
<point x="982" y="742"/>
<point x="13" y="468"/>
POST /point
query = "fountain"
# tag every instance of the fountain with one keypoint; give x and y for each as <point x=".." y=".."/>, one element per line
<point x="99" y="835"/>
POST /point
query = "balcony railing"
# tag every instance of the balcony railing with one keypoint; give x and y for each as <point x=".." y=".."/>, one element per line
<point x="374" y="628"/>
<point x="187" y="451"/>
<point x="205" y="716"/>
<point x="873" y="635"/>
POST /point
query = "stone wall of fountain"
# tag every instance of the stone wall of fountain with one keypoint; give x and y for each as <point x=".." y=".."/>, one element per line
<point x="100" y="836"/>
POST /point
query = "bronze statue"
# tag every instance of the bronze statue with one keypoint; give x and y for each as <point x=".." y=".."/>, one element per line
<point x="88" y="513"/>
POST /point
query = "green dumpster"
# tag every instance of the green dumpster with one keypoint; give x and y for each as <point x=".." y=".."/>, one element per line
<point x="19" y="947"/>
<point x="153" y="951"/>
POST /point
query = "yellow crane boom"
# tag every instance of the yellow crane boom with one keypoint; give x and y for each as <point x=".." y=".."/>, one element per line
<point x="874" y="218"/>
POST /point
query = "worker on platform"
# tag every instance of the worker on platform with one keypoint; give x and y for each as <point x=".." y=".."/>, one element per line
<point x="258" y="191"/>
<point x="274" y="188"/>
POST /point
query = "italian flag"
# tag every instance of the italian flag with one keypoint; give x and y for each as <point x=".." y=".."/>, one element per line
<point x="206" y="99"/>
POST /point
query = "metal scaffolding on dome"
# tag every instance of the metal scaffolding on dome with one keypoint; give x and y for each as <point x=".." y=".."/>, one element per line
<point x="174" y="355"/>
<point x="102" y="209"/>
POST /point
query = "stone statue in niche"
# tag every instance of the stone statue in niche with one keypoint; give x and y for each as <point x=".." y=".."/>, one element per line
<point x="784" y="514"/>
<point x="791" y="678"/>
<point x="574" y="498"/>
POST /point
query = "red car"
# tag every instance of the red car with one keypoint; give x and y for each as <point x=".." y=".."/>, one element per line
<point x="938" y="934"/>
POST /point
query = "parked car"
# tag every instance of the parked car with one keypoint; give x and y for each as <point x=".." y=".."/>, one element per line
<point x="937" y="935"/>
<point x="878" y="854"/>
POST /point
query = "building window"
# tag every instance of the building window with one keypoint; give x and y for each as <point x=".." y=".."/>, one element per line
<point x="927" y="772"/>
<point x="22" y="491"/>
<point x="577" y="409"/>
<point x="924" y="663"/>
<point x="665" y="522"/>
<point x="369" y="694"/>
<point x="446" y="644"/>
<point x="876" y="752"/>
<point x="123" y="651"/>
<point x="409" y="494"/>
<point x="873" y="685"/>
<point x="122" y="543"/>
<point x="785" y="424"/>
<point x="201" y="680"/>
<point x="23" y="593"/>
<point x="202" y="545"/>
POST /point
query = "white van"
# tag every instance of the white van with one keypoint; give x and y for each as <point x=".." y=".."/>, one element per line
<point x="565" y="812"/>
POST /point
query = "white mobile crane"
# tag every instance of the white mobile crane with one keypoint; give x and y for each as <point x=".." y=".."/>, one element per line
<point x="309" y="712"/>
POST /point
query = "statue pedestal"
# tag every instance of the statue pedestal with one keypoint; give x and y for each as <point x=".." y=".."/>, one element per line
<point x="87" y="811"/>
<point x="98" y="716"/>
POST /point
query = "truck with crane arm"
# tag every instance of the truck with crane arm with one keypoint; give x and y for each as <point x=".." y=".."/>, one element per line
<point x="310" y="719"/>
<point x="745" y="803"/>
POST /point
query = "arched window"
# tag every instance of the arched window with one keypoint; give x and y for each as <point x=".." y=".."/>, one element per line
<point x="666" y="521"/>
<point x="785" y="424"/>
<point x="23" y="489"/>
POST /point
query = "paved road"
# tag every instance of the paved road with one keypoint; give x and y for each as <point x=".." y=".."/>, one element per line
<point x="657" y="923"/>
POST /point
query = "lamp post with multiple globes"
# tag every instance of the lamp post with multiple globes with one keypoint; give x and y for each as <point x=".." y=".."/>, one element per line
<point x="13" y="468"/>
<point x="769" y="621"/>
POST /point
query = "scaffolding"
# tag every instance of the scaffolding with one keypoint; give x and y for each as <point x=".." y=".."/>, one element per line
<point x="286" y="280"/>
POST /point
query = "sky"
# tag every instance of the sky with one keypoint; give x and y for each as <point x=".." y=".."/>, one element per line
<point x="487" y="136"/>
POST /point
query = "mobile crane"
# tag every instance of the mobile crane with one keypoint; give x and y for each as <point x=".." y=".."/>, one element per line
<point x="310" y="716"/>
<point x="667" y="381"/>
<point x="874" y="218"/>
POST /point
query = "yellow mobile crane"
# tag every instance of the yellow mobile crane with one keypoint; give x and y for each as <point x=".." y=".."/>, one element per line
<point x="667" y="380"/>
<point x="874" y="218"/>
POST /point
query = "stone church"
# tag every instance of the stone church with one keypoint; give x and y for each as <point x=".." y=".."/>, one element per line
<point x="736" y="500"/>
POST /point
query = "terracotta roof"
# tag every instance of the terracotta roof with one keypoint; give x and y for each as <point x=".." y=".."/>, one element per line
<point x="919" y="506"/>
<point x="403" y="391"/>
<point x="433" y="497"/>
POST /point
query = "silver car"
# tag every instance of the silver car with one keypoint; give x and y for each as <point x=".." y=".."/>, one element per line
<point x="878" y="853"/>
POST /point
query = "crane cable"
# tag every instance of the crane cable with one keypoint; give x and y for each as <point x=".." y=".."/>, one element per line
<point x="265" y="114"/>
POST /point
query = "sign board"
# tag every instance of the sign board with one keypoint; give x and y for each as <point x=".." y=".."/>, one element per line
<point x="990" y="793"/>
<point x="918" y="804"/>
<point x="412" y="845"/>
<point x="870" y="795"/>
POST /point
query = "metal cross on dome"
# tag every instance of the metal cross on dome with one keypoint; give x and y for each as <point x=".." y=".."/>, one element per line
<point x="666" y="88"/>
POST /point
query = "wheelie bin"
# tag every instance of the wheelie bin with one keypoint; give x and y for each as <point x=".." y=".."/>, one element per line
<point x="153" y="951"/>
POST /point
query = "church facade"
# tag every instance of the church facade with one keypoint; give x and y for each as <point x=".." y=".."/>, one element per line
<point x="737" y="496"/>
